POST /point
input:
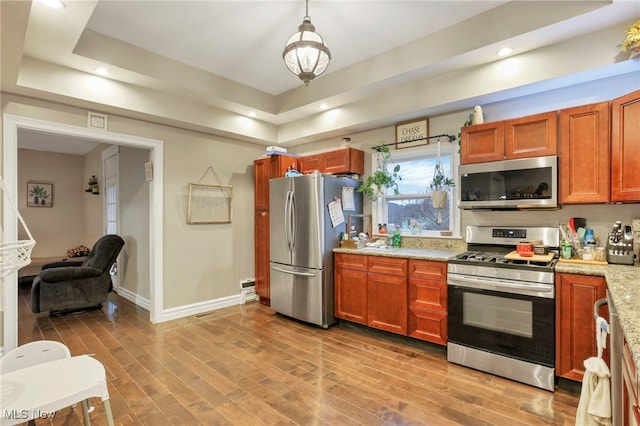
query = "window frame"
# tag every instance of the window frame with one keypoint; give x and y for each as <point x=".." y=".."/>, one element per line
<point x="379" y="206"/>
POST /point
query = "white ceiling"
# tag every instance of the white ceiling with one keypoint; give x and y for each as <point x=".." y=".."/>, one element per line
<point x="243" y="40"/>
<point x="202" y="64"/>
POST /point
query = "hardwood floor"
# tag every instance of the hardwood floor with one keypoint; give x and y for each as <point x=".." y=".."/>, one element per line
<point x="246" y="365"/>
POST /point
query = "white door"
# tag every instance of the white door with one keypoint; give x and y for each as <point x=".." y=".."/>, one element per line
<point x="110" y="165"/>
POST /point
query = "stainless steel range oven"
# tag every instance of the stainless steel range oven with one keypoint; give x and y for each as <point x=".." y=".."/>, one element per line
<point x="501" y="307"/>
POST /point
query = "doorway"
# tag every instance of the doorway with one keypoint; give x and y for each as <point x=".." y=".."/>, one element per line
<point x="11" y="125"/>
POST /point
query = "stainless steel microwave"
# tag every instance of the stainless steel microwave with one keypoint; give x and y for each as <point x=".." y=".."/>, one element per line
<point x="527" y="183"/>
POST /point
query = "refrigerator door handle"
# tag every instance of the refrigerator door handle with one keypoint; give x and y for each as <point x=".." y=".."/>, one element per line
<point x="284" y="271"/>
<point x="292" y="221"/>
<point x="287" y="237"/>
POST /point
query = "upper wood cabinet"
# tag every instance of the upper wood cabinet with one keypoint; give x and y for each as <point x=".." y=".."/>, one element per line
<point x="531" y="136"/>
<point x="345" y="160"/>
<point x="481" y="143"/>
<point x="584" y="154"/>
<point x="625" y="148"/>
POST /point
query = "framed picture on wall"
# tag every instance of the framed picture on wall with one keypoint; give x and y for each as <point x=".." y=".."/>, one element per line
<point x="209" y="204"/>
<point x="39" y="194"/>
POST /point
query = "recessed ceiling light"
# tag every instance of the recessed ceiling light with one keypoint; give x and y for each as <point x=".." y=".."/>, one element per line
<point x="55" y="4"/>
<point x="505" y="51"/>
<point x="324" y="106"/>
<point x="102" y="71"/>
<point x="252" y="114"/>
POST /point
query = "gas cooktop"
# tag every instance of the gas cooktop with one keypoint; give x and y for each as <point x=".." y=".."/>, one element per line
<point x="495" y="259"/>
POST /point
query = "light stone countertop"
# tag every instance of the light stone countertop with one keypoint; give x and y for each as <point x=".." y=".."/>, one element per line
<point x="406" y="253"/>
<point x="623" y="282"/>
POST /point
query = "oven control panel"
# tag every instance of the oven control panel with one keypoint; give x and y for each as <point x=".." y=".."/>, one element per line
<point x="509" y="233"/>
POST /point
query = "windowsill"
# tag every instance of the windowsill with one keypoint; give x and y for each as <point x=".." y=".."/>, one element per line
<point x="453" y="236"/>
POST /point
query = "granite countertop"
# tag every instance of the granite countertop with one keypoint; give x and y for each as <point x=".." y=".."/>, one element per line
<point x="623" y="282"/>
<point x="407" y="253"/>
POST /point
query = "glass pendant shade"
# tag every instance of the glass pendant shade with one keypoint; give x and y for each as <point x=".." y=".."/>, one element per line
<point x="306" y="54"/>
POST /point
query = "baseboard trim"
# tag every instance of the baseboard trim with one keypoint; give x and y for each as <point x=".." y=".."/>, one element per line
<point x="132" y="297"/>
<point x="200" y="307"/>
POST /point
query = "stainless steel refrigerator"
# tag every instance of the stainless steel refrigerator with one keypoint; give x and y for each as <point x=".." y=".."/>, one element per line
<point x="302" y="239"/>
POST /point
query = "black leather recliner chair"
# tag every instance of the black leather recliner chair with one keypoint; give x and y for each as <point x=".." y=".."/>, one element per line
<point x="73" y="285"/>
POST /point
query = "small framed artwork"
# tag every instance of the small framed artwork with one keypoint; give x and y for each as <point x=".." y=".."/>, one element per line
<point x="209" y="204"/>
<point x="39" y="194"/>
<point x="412" y="133"/>
<point x="96" y="121"/>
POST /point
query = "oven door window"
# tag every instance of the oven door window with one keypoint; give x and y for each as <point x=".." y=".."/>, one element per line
<point x="513" y="325"/>
<point x="496" y="313"/>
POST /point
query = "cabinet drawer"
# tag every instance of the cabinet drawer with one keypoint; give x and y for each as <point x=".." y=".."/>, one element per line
<point x="388" y="265"/>
<point x="350" y="261"/>
<point x="428" y="294"/>
<point x="428" y="269"/>
<point x="428" y="325"/>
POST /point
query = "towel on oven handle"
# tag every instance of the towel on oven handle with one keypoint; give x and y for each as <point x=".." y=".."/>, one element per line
<point x="594" y="407"/>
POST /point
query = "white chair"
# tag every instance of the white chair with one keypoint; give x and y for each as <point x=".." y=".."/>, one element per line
<point x="31" y="354"/>
<point x="35" y="353"/>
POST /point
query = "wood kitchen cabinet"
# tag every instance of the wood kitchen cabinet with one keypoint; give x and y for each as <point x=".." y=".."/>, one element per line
<point x="428" y="301"/>
<point x="575" y="323"/>
<point x="480" y="143"/>
<point x="372" y="290"/>
<point x="584" y="154"/>
<point x="625" y="148"/>
<point x="387" y="294"/>
<point x="630" y="390"/>
<point x="350" y="287"/>
<point x="525" y="137"/>
<point x="531" y="136"/>
<point x="345" y="160"/>
<point x="265" y="169"/>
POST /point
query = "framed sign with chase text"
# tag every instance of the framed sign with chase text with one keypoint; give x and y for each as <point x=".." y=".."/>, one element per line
<point x="414" y="130"/>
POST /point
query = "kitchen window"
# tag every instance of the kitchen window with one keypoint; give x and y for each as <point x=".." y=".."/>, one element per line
<point x="411" y="209"/>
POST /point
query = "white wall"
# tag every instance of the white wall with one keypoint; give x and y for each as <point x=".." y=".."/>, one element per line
<point x="59" y="227"/>
<point x="93" y="218"/>
<point x="133" y="203"/>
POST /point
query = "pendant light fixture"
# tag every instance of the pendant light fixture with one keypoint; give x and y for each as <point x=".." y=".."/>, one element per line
<point x="306" y="54"/>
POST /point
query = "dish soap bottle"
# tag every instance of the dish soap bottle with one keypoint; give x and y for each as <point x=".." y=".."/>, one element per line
<point x="396" y="237"/>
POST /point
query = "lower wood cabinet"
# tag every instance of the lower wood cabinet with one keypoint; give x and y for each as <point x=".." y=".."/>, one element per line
<point x="387" y="294"/>
<point x="575" y="324"/>
<point x="402" y="296"/>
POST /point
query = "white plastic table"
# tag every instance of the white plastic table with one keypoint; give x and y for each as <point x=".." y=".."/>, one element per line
<point x="38" y="391"/>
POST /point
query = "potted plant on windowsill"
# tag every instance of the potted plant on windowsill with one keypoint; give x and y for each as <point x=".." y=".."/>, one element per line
<point x="440" y="185"/>
<point x="380" y="180"/>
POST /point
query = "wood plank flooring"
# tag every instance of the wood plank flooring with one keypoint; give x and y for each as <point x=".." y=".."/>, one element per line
<point x="246" y="365"/>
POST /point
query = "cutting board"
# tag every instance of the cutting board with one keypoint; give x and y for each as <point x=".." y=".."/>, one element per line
<point x="583" y="262"/>
<point x="535" y="258"/>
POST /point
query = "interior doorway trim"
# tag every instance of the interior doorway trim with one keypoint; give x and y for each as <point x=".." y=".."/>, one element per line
<point x="11" y="124"/>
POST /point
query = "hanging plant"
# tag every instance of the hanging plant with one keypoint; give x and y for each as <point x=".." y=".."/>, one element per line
<point x="440" y="185"/>
<point x="380" y="180"/>
<point x="440" y="181"/>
